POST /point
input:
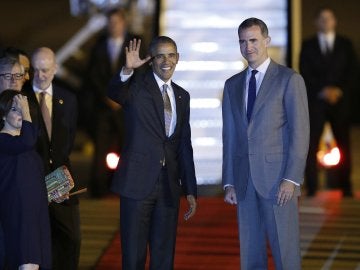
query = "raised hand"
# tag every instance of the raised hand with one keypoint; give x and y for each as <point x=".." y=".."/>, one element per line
<point x="132" y="56"/>
<point x="21" y="104"/>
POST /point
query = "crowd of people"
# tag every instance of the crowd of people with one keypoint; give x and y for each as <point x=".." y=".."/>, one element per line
<point x="271" y="116"/>
<point x="41" y="117"/>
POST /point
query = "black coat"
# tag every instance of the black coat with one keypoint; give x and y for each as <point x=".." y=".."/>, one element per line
<point x="146" y="143"/>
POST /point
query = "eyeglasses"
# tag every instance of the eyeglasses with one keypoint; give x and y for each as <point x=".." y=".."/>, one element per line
<point x="15" y="76"/>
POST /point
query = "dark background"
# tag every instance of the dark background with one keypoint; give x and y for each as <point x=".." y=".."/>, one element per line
<point x="31" y="24"/>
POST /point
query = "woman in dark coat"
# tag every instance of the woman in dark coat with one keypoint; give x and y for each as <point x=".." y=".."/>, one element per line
<point x="23" y="198"/>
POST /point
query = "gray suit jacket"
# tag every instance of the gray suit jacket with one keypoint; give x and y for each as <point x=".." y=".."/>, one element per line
<point x="273" y="146"/>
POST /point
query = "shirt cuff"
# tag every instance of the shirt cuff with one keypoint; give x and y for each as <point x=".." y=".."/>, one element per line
<point x="228" y="185"/>
<point x="296" y="184"/>
<point x="124" y="77"/>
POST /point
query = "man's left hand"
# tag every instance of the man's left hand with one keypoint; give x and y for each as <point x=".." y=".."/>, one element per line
<point x="192" y="207"/>
<point x="286" y="192"/>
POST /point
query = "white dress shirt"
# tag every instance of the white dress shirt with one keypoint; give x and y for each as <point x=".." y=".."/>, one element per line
<point x="326" y="41"/>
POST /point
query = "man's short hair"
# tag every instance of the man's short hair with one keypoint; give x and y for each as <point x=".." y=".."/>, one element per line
<point x="254" y="22"/>
<point x="160" y="40"/>
<point x="116" y="11"/>
<point x="321" y="10"/>
<point x="8" y="62"/>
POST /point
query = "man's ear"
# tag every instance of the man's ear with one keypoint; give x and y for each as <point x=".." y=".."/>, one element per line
<point x="268" y="40"/>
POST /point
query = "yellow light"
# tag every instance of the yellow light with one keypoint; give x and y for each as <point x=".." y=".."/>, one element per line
<point x="112" y="160"/>
<point x="329" y="158"/>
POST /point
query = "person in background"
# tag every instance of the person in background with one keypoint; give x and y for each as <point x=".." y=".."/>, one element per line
<point x="11" y="74"/>
<point x="57" y="118"/>
<point x="157" y="158"/>
<point x="328" y="64"/>
<point x="265" y="144"/>
<point x="106" y="123"/>
<point x="23" y="198"/>
<point x="23" y="59"/>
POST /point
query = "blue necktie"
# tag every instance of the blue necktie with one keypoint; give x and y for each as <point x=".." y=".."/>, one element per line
<point x="251" y="94"/>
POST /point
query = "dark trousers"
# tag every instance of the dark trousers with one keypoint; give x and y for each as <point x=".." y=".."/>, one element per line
<point x="65" y="235"/>
<point x="336" y="116"/>
<point x="152" y="223"/>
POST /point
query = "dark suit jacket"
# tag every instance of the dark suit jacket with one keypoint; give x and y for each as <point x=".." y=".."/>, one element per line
<point x="146" y="143"/>
<point x="56" y="152"/>
<point x="335" y="69"/>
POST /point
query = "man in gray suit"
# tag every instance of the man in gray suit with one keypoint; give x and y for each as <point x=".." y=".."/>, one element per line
<point x="265" y="144"/>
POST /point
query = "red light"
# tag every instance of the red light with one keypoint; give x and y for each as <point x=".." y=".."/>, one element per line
<point x="329" y="158"/>
<point x="328" y="154"/>
<point x="112" y="160"/>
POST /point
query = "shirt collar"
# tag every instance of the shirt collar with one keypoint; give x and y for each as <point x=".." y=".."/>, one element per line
<point x="116" y="41"/>
<point x="262" y="68"/>
<point x="329" y="37"/>
<point x="48" y="90"/>
<point x="160" y="82"/>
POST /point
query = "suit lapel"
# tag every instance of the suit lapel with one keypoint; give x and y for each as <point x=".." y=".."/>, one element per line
<point x="238" y="97"/>
<point x="265" y="88"/>
<point x="153" y="89"/>
<point x="57" y="109"/>
<point x="179" y="107"/>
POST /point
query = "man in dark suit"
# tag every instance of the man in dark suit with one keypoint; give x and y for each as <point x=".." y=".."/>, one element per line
<point x="55" y="110"/>
<point x="157" y="158"/>
<point x="265" y="143"/>
<point x="105" y="117"/>
<point x="328" y="65"/>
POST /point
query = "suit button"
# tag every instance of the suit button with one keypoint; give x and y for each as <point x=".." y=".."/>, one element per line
<point x="50" y="161"/>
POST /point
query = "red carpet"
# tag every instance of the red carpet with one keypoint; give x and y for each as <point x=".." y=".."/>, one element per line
<point x="208" y="241"/>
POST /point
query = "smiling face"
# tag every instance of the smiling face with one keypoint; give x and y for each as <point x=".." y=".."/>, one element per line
<point x="253" y="45"/>
<point x="165" y="58"/>
<point x="13" y="120"/>
<point x="14" y="82"/>
<point x="44" y="64"/>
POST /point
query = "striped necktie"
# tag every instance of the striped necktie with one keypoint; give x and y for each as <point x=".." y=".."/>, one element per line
<point x="167" y="109"/>
<point x="45" y="112"/>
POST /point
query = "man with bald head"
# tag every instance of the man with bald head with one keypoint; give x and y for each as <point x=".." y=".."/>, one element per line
<point x="57" y="118"/>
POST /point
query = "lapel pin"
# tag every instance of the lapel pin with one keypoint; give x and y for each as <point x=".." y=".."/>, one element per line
<point x="61" y="101"/>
